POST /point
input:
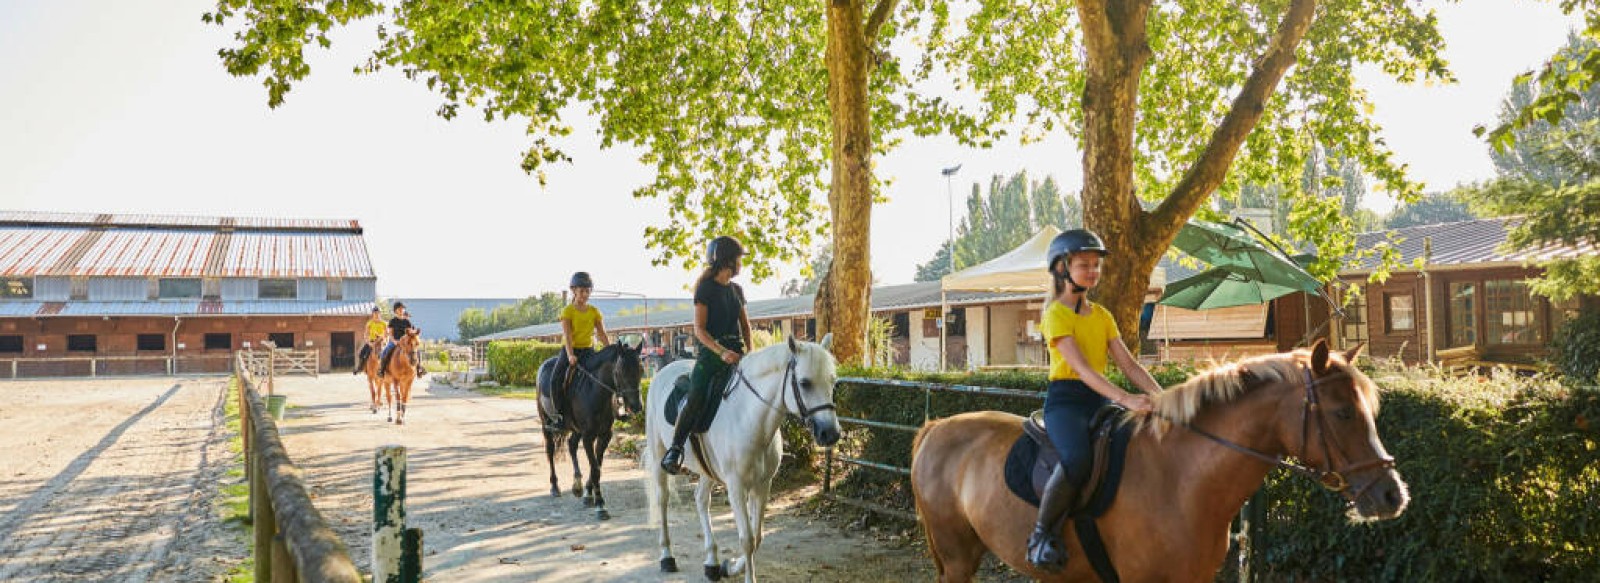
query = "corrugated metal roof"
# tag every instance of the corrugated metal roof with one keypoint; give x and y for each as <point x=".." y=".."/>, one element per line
<point x="156" y="220"/>
<point x="188" y="308"/>
<point x="896" y="298"/>
<point x="1466" y="243"/>
<point x="103" y="248"/>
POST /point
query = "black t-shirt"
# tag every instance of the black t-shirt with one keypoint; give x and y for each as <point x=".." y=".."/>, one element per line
<point x="398" y="327"/>
<point x="723" y="305"/>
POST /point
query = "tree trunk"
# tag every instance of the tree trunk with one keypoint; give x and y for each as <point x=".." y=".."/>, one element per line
<point x="1114" y="42"/>
<point x="850" y="198"/>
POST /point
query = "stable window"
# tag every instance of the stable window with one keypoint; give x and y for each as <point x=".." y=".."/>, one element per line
<point x="281" y="339"/>
<point x="152" y="342"/>
<point x="335" y="289"/>
<point x="82" y="343"/>
<point x="1511" y="314"/>
<point x="1354" y="328"/>
<point x="278" y="289"/>
<point x="901" y="321"/>
<point x="16" y="287"/>
<point x="219" y="341"/>
<point x="11" y="344"/>
<point x="1463" y="314"/>
<point x="173" y="288"/>
<point x="1401" y="316"/>
<point x="79" y="289"/>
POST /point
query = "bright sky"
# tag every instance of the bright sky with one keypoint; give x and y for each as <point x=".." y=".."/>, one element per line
<point x="124" y="107"/>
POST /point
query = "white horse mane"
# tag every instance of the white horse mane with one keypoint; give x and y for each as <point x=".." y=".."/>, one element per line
<point x="772" y="359"/>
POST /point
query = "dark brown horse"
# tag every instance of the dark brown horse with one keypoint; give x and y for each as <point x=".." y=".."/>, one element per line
<point x="1180" y="488"/>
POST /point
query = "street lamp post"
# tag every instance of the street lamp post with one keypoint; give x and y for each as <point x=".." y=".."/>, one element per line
<point x="950" y="249"/>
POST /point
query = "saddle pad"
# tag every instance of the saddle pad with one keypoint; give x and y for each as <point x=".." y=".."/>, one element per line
<point x="680" y="391"/>
<point x="1029" y="464"/>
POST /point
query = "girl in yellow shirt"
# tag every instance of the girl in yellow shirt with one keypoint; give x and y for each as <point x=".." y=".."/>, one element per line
<point x="581" y="323"/>
<point x="1082" y="337"/>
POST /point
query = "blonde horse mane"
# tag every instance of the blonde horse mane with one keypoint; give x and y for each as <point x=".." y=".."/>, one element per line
<point x="1227" y="382"/>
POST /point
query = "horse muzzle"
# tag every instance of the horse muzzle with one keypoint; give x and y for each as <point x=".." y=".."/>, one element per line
<point x="826" y="431"/>
<point x="1382" y="498"/>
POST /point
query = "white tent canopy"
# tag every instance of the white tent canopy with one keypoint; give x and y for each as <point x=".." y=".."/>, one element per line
<point x="1019" y="270"/>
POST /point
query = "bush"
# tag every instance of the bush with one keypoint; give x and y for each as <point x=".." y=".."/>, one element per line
<point x="1575" y="350"/>
<point x="516" y="362"/>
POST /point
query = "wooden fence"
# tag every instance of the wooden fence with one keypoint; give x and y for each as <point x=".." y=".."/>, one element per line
<point x="283" y="361"/>
<point x="292" y="541"/>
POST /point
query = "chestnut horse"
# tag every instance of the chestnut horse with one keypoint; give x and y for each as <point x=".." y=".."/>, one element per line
<point x="401" y="373"/>
<point x="375" y="385"/>
<point x="1191" y="464"/>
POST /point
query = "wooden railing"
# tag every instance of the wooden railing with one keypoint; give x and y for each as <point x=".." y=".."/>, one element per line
<point x="292" y="541"/>
<point x="282" y="360"/>
<point x="98" y="365"/>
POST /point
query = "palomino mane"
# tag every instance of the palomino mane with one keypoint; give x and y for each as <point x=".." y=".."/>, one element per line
<point x="1228" y="382"/>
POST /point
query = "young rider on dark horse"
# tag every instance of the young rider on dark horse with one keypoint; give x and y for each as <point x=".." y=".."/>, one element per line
<point x="723" y="329"/>
<point x="398" y="326"/>
<point x="1081" y="335"/>
<point x="376" y="328"/>
<point x="580" y="324"/>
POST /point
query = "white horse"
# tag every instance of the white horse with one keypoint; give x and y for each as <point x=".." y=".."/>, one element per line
<point x="742" y="448"/>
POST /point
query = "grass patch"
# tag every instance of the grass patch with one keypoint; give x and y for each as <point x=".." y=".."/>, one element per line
<point x="234" y="502"/>
<point x="512" y="392"/>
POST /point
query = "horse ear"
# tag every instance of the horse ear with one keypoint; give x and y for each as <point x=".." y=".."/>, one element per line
<point x="1351" y="355"/>
<point x="827" y="341"/>
<point x="792" y="346"/>
<point x="1319" y="357"/>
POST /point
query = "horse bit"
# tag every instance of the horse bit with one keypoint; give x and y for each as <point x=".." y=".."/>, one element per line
<point x="1333" y="480"/>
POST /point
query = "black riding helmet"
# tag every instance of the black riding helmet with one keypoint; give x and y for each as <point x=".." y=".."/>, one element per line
<point x="723" y="250"/>
<point x="581" y="279"/>
<point x="1069" y="242"/>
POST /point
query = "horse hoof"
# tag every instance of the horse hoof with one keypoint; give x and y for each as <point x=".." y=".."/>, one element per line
<point x="714" y="572"/>
<point x="602" y="514"/>
<point x="669" y="565"/>
<point x="588" y="502"/>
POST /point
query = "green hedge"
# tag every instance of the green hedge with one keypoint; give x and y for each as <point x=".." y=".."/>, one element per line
<point x="1504" y="475"/>
<point x="516" y="362"/>
<point x="1575" y="350"/>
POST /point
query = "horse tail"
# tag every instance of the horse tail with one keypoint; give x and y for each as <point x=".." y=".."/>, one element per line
<point x="916" y="449"/>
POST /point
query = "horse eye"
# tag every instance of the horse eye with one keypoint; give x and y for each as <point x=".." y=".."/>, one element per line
<point x="1344" y="414"/>
<point x="805" y="384"/>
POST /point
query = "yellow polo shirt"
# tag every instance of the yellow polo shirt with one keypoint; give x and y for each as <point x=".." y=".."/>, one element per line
<point x="583" y="324"/>
<point x="376" y="329"/>
<point x="1092" y="333"/>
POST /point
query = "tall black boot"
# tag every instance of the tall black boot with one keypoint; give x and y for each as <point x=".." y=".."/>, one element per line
<point x="383" y="364"/>
<point x="1045" y="550"/>
<point x="688" y="417"/>
<point x="421" y="372"/>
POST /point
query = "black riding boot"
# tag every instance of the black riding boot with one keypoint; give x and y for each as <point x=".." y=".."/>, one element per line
<point x="558" y="395"/>
<point x="688" y="417"/>
<point x="421" y="372"/>
<point x="383" y="364"/>
<point x="1045" y="550"/>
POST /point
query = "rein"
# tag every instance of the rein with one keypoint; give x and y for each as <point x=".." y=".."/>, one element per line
<point x="599" y="383"/>
<point x="1332" y="479"/>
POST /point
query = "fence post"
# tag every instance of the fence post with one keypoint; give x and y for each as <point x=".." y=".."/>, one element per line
<point x="261" y="518"/>
<point x="272" y="380"/>
<point x="282" y="564"/>
<point x="411" y="556"/>
<point x="388" y="512"/>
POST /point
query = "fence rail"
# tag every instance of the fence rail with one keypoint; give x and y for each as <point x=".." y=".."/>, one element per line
<point x="283" y="361"/>
<point x="292" y="541"/>
<point x="94" y="366"/>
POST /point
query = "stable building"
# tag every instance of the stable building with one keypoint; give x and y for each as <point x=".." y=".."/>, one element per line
<point x="99" y="294"/>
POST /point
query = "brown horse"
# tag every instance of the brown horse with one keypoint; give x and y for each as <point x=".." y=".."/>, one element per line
<point x="401" y="373"/>
<point x="375" y="385"/>
<point x="1180" y="488"/>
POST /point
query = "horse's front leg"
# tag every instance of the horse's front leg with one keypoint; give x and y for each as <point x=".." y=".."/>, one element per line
<point x="552" y="443"/>
<point x="739" y="501"/>
<point x="577" y="473"/>
<point x="702" y="505"/>
<point x="596" y="460"/>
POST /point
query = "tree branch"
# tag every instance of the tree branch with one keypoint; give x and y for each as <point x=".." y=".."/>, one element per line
<point x="880" y="15"/>
<point x="1211" y="167"/>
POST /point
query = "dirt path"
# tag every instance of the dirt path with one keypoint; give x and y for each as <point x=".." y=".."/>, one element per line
<point x="478" y="486"/>
<point x="111" y="480"/>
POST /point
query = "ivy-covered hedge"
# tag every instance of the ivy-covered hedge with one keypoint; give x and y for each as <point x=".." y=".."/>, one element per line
<point x="1575" y="350"/>
<point x="1504" y="475"/>
<point x="516" y="362"/>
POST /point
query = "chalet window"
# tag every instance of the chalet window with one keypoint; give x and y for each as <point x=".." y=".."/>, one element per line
<point x="80" y="288"/>
<point x="278" y="289"/>
<point x="81" y="343"/>
<point x="173" y="288"/>
<point x="16" y="287"/>
<point x="1463" y="314"/>
<point x="1511" y="314"/>
<point x="1401" y="312"/>
<point x="11" y="344"/>
<point x="1354" y="329"/>
<point x="219" y="341"/>
<point x="282" y="339"/>
<point x="901" y="321"/>
<point x="335" y="289"/>
<point x="152" y="342"/>
<point x="211" y="288"/>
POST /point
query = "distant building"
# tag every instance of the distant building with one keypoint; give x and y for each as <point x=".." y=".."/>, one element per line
<point x="148" y="294"/>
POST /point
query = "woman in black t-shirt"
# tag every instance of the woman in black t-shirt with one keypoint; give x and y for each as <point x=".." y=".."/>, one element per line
<point x="398" y="326"/>
<point x="723" y="329"/>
